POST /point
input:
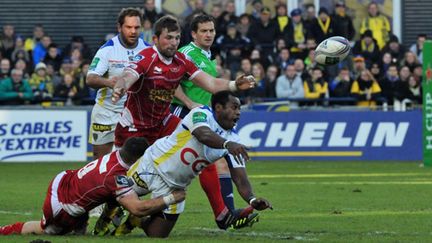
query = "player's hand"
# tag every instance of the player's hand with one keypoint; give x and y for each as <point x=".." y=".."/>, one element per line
<point x="179" y="195"/>
<point x="261" y="204"/>
<point x="239" y="151"/>
<point x="244" y="82"/>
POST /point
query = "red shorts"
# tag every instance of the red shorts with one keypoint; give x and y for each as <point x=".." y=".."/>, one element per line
<point x="55" y="220"/>
<point x="151" y="134"/>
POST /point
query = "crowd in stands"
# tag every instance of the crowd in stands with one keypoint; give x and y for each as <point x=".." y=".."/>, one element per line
<point x="277" y="50"/>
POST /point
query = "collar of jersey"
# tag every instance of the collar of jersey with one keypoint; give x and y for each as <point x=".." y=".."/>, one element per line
<point x="206" y="53"/>
<point x="165" y="60"/>
<point x="120" y="160"/>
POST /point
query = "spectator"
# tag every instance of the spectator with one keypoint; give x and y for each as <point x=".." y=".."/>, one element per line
<point x="289" y="85"/>
<point x="264" y="33"/>
<point x="300" y="69"/>
<point x="402" y="95"/>
<point x="257" y="6"/>
<point x="376" y="71"/>
<point x="341" y="85"/>
<point x="310" y="17"/>
<point x="53" y="57"/>
<point x="260" y="87"/>
<point x="377" y="23"/>
<point x="404" y="73"/>
<point x="389" y="83"/>
<point x="150" y="11"/>
<point x="295" y="33"/>
<point x="30" y="43"/>
<point x="396" y="50"/>
<point x="232" y="46"/>
<point x="68" y="90"/>
<point x="19" y="51"/>
<point x="41" y="84"/>
<point x="366" y="90"/>
<point x="147" y="32"/>
<point x="40" y="49"/>
<point x="270" y="81"/>
<point x="21" y="64"/>
<point x="418" y="73"/>
<point x="5" y="67"/>
<point x="415" y="91"/>
<point x="15" y="90"/>
<point x="56" y="79"/>
<point x="243" y="24"/>
<point x="410" y="60"/>
<point x="77" y="42"/>
<point x="227" y="17"/>
<point x="86" y="93"/>
<point x="284" y="59"/>
<point x="324" y="26"/>
<point x="386" y="61"/>
<point x="343" y="25"/>
<point x="417" y="48"/>
<point x="367" y="48"/>
<point x="359" y="66"/>
<point x="7" y="41"/>
<point x="66" y="67"/>
<point x="310" y="60"/>
<point x="255" y="57"/>
<point x="281" y="19"/>
<point x="316" y="87"/>
<point x="76" y="58"/>
<point x="246" y="66"/>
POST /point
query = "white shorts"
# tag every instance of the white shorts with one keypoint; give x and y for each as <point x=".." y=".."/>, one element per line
<point x="146" y="179"/>
<point x="102" y="125"/>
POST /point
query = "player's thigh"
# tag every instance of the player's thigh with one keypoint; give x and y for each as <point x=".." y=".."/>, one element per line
<point x="102" y="125"/>
<point x="160" y="225"/>
<point x="222" y="167"/>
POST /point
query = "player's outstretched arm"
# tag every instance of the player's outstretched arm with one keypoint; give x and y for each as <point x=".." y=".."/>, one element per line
<point x="244" y="188"/>
<point x="146" y="207"/>
<point x="213" y="85"/>
<point x="123" y="83"/>
<point x="179" y="94"/>
<point x="95" y="81"/>
<point x="211" y="139"/>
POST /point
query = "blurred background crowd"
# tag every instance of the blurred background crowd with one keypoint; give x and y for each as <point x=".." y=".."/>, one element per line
<point x="273" y="43"/>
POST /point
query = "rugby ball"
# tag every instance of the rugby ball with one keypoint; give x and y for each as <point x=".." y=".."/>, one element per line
<point x="332" y="50"/>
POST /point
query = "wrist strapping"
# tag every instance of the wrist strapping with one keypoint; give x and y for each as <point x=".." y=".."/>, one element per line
<point x="252" y="200"/>
<point x="232" y="86"/>
<point x="169" y="199"/>
<point x="225" y="144"/>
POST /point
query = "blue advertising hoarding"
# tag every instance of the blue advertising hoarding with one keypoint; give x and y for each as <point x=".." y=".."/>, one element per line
<point x="333" y="135"/>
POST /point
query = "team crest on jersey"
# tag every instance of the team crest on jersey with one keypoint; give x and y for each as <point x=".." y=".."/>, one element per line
<point x="175" y="69"/>
<point x="199" y="117"/>
<point x="137" y="58"/>
<point x="157" y="70"/>
<point x="123" y="181"/>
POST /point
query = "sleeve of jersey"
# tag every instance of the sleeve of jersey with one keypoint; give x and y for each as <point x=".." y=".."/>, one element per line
<point x="139" y="65"/>
<point x="197" y="117"/>
<point x="120" y="185"/>
<point x="231" y="161"/>
<point x="99" y="64"/>
<point x="191" y="69"/>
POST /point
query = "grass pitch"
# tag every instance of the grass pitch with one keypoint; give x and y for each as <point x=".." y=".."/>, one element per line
<point x="313" y="201"/>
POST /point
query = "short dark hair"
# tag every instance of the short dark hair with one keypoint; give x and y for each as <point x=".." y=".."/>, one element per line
<point x="129" y="12"/>
<point x="221" y="97"/>
<point x="166" y="22"/>
<point x="133" y="149"/>
<point x="200" y="19"/>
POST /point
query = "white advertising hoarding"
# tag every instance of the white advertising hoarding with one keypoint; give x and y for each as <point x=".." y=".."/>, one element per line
<point x="43" y="135"/>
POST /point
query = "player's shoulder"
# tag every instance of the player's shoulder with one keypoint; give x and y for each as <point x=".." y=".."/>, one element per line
<point x="201" y="114"/>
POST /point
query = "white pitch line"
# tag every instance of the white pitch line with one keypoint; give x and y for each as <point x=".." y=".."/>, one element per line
<point x="339" y="175"/>
<point x="15" y="213"/>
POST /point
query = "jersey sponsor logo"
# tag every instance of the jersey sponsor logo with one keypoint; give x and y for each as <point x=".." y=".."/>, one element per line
<point x="117" y="65"/>
<point x="100" y="127"/>
<point x="157" y="70"/>
<point x="94" y="64"/>
<point x="163" y="95"/>
<point x="139" y="181"/>
<point x="198" y="117"/>
<point x="202" y="65"/>
<point x="138" y="58"/>
<point x="188" y="156"/>
<point x="122" y="181"/>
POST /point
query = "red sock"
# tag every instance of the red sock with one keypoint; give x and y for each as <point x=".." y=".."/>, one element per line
<point x="12" y="228"/>
<point x="210" y="183"/>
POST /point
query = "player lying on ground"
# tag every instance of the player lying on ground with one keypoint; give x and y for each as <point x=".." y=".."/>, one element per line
<point x="203" y="136"/>
<point x="73" y="193"/>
